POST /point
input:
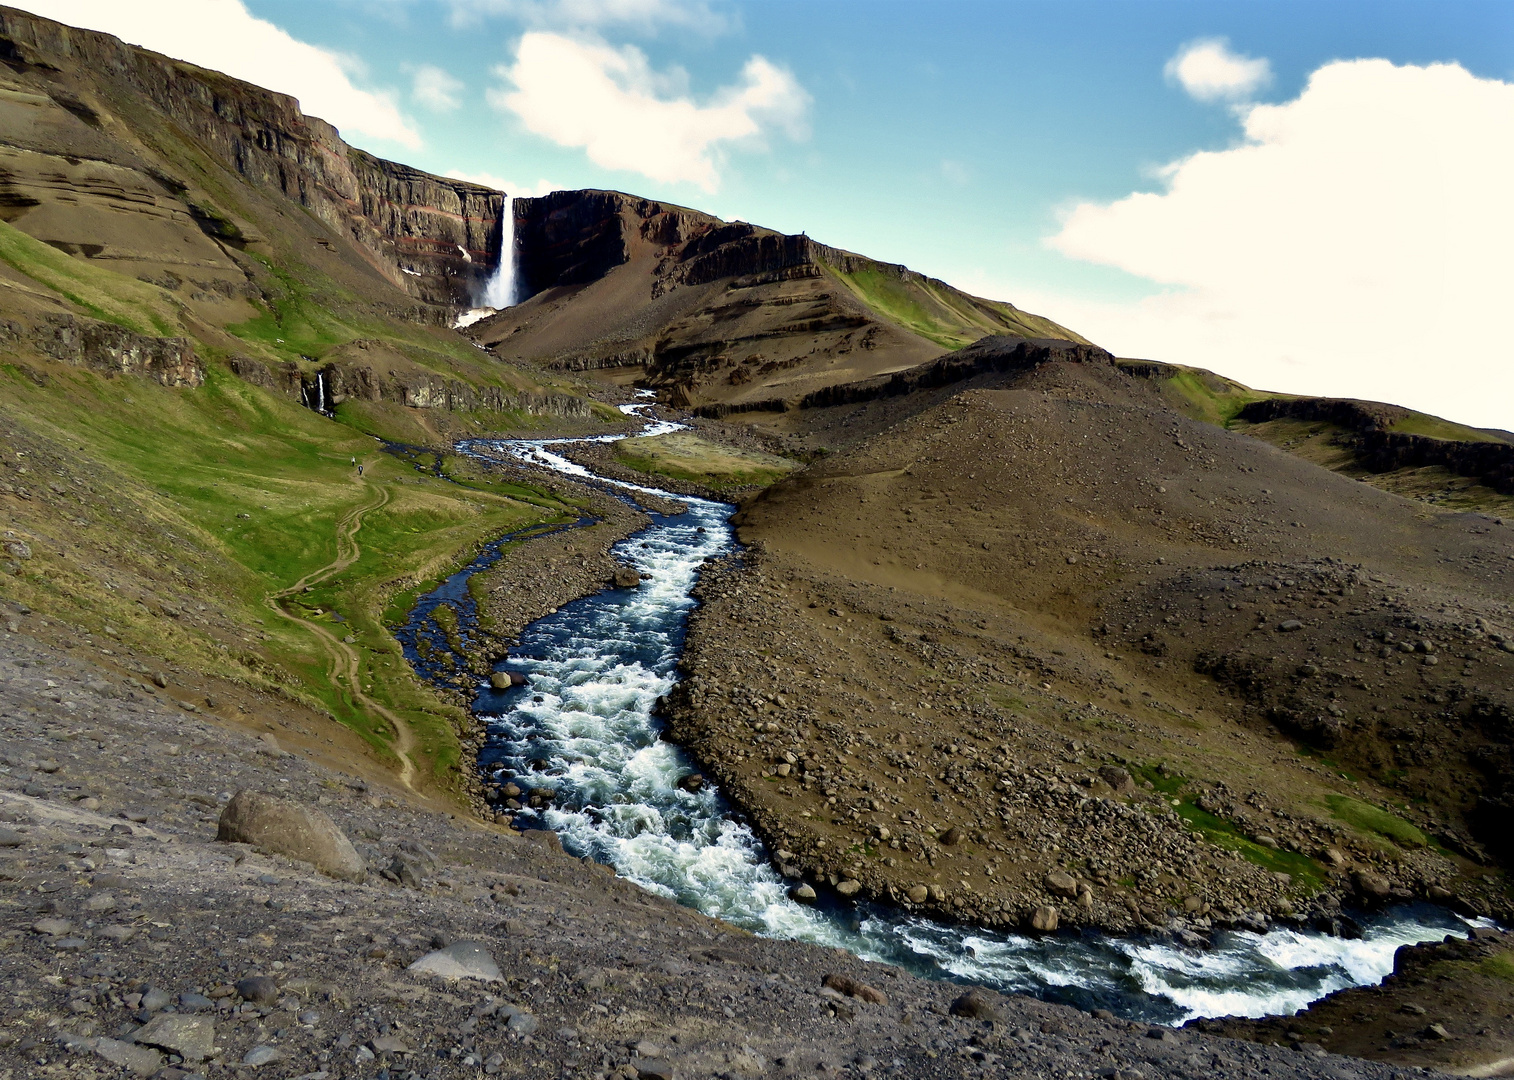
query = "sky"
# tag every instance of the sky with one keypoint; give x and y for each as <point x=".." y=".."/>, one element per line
<point x="1310" y="197"/>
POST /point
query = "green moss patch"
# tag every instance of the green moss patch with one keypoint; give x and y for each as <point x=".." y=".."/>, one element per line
<point x="1372" y="819"/>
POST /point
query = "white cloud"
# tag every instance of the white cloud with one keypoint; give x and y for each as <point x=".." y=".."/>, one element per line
<point x="1209" y="71"/>
<point x="625" y="115"/>
<point x="225" y="36"/>
<point x="435" y="88"/>
<point x="1355" y="244"/>
<point x="500" y="183"/>
<point x="644" y="16"/>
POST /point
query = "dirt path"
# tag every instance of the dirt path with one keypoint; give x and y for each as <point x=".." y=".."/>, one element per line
<point x="343" y="660"/>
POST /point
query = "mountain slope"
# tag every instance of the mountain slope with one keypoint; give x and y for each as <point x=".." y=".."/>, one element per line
<point x="712" y="311"/>
<point x="1023" y="579"/>
<point x="189" y="267"/>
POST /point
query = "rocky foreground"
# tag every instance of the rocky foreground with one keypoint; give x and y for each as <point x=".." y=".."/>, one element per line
<point x="133" y="942"/>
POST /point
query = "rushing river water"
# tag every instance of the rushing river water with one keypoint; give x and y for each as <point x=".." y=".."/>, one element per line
<point x="584" y="727"/>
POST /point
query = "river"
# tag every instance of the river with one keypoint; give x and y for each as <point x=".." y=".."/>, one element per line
<point x="585" y="727"/>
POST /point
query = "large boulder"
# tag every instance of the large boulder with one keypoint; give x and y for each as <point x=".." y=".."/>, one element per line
<point x="626" y="577"/>
<point x="284" y="827"/>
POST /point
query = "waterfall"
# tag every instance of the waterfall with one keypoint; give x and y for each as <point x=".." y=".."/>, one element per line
<point x="499" y="290"/>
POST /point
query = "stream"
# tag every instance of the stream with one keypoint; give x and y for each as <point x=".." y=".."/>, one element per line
<point x="584" y="727"/>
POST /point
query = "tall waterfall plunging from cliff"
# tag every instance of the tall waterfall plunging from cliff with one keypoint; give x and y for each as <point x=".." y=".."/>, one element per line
<point x="499" y="290"/>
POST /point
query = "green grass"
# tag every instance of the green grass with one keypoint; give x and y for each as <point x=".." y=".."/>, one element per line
<point x="226" y="449"/>
<point x="1308" y="876"/>
<point x="1372" y="819"/>
<point x="104" y="294"/>
<point x="939" y="313"/>
<point x="1500" y="966"/>
<point x="685" y="456"/>
<point x="1436" y="428"/>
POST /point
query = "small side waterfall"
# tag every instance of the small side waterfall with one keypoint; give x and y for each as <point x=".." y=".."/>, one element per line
<point x="499" y="290"/>
<point x="316" y="393"/>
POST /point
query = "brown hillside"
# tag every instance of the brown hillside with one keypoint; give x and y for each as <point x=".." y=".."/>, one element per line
<point x="714" y="311"/>
<point x="1004" y="587"/>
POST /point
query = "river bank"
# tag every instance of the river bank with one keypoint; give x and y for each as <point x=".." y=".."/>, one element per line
<point x="577" y="748"/>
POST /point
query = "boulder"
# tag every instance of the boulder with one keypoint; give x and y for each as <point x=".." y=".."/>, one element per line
<point x="1044" y="919"/>
<point x="852" y="988"/>
<point x="691" y="783"/>
<point x="1373" y="887"/>
<point x="1117" y="778"/>
<point x="285" y="827"/>
<point x="626" y="577"/>
<point x="460" y="960"/>
<point x="802" y="894"/>
<point x="977" y="1004"/>
<point x="505" y="680"/>
<point x="1061" y="883"/>
<point x="951" y="837"/>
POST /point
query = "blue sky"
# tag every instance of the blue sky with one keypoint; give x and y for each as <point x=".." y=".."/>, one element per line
<point x="1004" y="147"/>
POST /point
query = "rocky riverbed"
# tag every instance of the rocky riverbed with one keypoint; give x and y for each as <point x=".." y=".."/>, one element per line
<point x="132" y="942"/>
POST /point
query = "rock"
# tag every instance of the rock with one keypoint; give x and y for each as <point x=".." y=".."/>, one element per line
<point x="626" y="577"/>
<point x="460" y="960"/>
<point x="136" y="1059"/>
<point x="191" y="1037"/>
<point x="1044" y="919"/>
<point x="261" y="1055"/>
<point x="155" y="1000"/>
<point x="691" y="783"/>
<point x="1061" y="883"/>
<point x="951" y="837"/>
<point x="19" y="550"/>
<point x="258" y="988"/>
<point x="653" y="1069"/>
<point x="918" y="894"/>
<point x="849" y="888"/>
<point x="1436" y="1031"/>
<point x="802" y="894"/>
<point x="1117" y="778"/>
<point x="53" y="927"/>
<point x="504" y="680"/>
<point x="977" y="1004"/>
<point x="1372" y="886"/>
<point x="390" y="1044"/>
<point x="11" y="838"/>
<point x="407" y="870"/>
<point x="1287" y="626"/>
<point x="852" y="988"/>
<point x="192" y="1002"/>
<point x="546" y="838"/>
<point x="518" y="1021"/>
<point x="284" y="827"/>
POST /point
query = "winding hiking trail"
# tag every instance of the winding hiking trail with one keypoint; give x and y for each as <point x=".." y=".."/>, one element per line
<point x="344" y="661"/>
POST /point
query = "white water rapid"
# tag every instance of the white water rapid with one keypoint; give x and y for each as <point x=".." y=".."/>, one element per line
<point x="584" y="728"/>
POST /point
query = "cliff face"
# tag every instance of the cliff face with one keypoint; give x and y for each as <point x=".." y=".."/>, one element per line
<point x="724" y="313"/>
<point x="1380" y="449"/>
<point x="434" y="238"/>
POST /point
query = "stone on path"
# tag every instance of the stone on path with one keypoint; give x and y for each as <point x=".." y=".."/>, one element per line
<point x="460" y="960"/>
<point x="261" y="1055"/>
<point x="284" y="827"/>
<point x="136" y="1059"/>
<point x="193" y="1038"/>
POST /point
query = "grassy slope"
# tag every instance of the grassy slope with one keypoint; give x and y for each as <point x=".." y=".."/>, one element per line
<point x="173" y="471"/>
<point x="1214" y="399"/>
<point x="686" y="456"/>
<point x="939" y="313"/>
